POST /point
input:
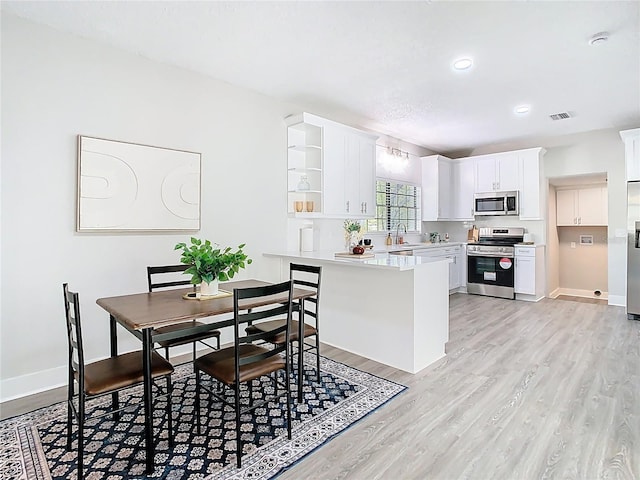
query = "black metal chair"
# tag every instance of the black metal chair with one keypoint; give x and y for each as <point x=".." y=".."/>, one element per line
<point x="163" y="272"/>
<point x="244" y="362"/>
<point x="305" y="276"/>
<point x="108" y="376"/>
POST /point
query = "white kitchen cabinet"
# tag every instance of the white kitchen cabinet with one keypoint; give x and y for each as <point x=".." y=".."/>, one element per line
<point x="362" y="166"/>
<point x="529" y="272"/>
<point x="462" y="189"/>
<point x="436" y="188"/>
<point x="455" y="255"/>
<point x="497" y="172"/>
<point x="339" y="164"/>
<point x="632" y="153"/>
<point x="533" y="187"/>
<point x="447" y="188"/>
<point x="518" y="170"/>
<point x="586" y="206"/>
<point x="349" y="173"/>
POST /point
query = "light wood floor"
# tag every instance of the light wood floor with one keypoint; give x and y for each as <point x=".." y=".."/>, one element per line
<point x="526" y="391"/>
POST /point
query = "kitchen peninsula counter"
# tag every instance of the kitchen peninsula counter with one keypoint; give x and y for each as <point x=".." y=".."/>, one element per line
<point x="380" y="260"/>
<point x="393" y="309"/>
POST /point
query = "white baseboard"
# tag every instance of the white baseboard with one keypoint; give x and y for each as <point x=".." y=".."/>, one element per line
<point x="24" y="385"/>
<point x="555" y="293"/>
<point x="618" y="300"/>
<point x="574" y="292"/>
<point x="17" y="387"/>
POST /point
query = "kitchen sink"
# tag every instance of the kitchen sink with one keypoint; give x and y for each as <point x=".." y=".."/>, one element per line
<point x="407" y="252"/>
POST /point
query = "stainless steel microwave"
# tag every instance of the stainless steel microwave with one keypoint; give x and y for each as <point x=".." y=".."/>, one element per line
<point x="496" y="203"/>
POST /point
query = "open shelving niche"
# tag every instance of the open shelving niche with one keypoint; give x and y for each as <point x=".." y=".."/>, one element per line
<point x="304" y="159"/>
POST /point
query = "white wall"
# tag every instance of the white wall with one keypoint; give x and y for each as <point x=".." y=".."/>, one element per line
<point x="56" y="86"/>
<point x="583" y="268"/>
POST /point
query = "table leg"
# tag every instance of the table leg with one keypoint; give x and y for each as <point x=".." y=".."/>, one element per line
<point x="113" y="339"/>
<point x="148" y="413"/>
<point x="300" y="348"/>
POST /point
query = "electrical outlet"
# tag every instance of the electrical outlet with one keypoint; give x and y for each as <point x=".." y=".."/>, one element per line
<point x="573" y="244"/>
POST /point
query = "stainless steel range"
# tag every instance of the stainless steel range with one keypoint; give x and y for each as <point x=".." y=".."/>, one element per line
<point x="490" y="262"/>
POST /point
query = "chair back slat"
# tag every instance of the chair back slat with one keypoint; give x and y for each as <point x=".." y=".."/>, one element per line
<point x="308" y="276"/>
<point x="278" y="309"/>
<point x="163" y="276"/>
<point x="74" y="333"/>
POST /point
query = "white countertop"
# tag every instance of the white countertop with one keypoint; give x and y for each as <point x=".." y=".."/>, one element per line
<point x="381" y="260"/>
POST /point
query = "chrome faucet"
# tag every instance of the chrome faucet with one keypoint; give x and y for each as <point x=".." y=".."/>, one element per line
<point x="399" y="239"/>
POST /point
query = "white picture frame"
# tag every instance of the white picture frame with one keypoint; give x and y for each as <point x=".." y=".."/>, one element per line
<point x="586" y="239"/>
<point x="129" y="187"/>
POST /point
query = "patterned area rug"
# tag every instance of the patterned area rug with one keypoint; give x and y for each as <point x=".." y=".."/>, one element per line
<point x="33" y="445"/>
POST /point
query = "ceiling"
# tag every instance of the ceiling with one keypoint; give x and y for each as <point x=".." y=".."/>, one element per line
<point x="386" y="66"/>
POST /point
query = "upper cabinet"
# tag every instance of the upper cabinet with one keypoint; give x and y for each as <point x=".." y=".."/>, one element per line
<point x="497" y="172"/>
<point x="349" y="173"/>
<point x="582" y="206"/>
<point x="532" y="185"/>
<point x="436" y="188"/>
<point x="462" y="180"/>
<point x="518" y="170"/>
<point x="631" y="140"/>
<point x="448" y="185"/>
<point x="332" y="166"/>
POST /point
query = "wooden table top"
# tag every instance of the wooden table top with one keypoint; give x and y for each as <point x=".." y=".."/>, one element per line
<point x="168" y="307"/>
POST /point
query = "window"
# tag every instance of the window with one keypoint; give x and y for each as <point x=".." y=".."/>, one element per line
<point x="396" y="203"/>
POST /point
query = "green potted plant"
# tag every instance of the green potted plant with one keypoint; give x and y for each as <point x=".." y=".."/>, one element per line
<point x="208" y="265"/>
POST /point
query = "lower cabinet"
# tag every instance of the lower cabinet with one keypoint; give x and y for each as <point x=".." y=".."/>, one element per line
<point x="457" y="264"/>
<point x="529" y="272"/>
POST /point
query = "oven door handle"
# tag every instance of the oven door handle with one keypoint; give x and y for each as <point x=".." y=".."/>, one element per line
<point x="491" y="255"/>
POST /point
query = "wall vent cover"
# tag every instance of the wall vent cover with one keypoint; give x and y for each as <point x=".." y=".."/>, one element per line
<point x="560" y="116"/>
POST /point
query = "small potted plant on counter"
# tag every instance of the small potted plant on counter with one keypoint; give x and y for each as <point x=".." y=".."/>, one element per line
<point x="209" y="265"/>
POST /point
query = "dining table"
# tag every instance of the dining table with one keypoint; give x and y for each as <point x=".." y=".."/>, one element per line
<point x="142" y="313"/>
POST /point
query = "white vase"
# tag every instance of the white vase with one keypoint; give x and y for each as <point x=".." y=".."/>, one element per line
<point x="351" y="241"/>
<point x="209" y="289"/>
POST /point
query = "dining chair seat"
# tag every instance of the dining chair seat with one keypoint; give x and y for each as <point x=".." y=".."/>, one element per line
<point x="308" y="330"/>
<point x="115" y="373"/>
<point x="221" y="365"/>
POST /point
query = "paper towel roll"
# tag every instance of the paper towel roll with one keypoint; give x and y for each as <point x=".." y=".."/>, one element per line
<point x="306" y="239"/>
<point x="528" y="238"/>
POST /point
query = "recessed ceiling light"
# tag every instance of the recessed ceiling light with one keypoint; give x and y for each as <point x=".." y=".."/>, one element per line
<point x="522" y="109"/>
<point x="599" y="38"/>
<point x="462" y="64"/>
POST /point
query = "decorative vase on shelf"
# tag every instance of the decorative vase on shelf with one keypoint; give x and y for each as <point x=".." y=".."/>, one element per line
<point x="209" y="289"/>
<point x="303" y="184"/>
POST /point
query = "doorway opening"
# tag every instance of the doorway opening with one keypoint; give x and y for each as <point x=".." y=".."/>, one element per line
<point x="577" y="258"/>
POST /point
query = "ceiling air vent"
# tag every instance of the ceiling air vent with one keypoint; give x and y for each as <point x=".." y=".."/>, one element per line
<point x="560" y="116"/>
